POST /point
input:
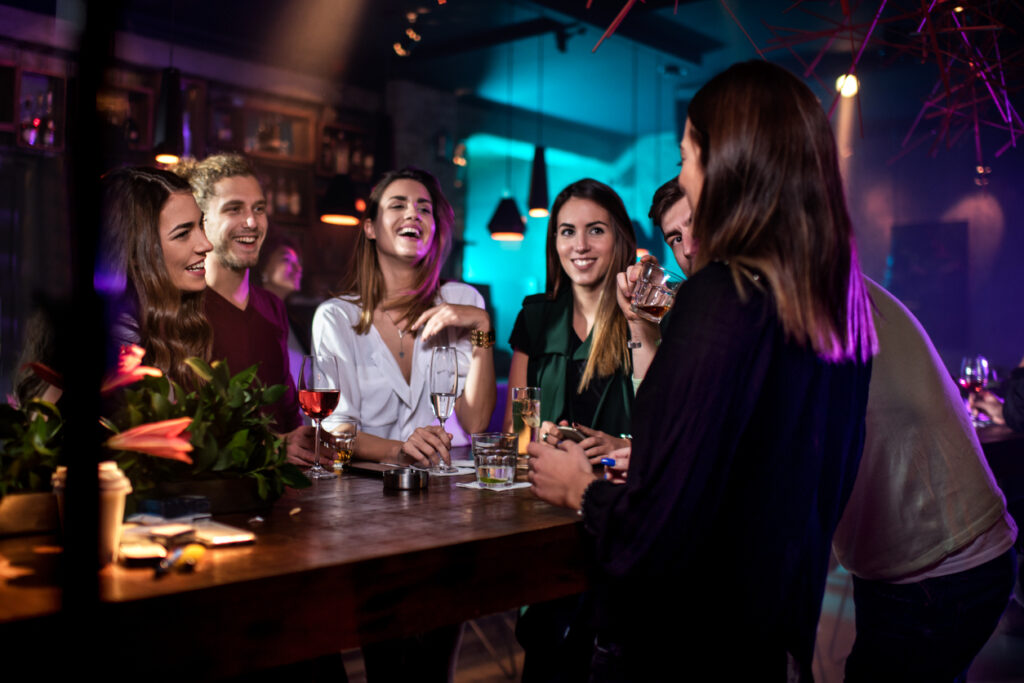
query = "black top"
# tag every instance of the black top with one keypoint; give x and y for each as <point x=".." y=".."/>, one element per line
<point x="745" y="450"/>
<point x="543" y="331"/>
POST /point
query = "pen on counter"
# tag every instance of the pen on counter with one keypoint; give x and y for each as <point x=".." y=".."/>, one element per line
<point x="184" y="558"/>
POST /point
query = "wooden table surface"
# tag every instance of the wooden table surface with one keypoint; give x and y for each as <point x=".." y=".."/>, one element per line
<point x="334" y="566"/>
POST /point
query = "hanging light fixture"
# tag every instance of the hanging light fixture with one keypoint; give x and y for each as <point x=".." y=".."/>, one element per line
<point x="538" y="199"/>
<point x="506" y="225"/>
<point x="167" y="139"/>
<point x="539" y="185"/>
<point x="340" y="205"/>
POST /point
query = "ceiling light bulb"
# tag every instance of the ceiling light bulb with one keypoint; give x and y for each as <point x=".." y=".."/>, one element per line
<point x="847" y="85"/>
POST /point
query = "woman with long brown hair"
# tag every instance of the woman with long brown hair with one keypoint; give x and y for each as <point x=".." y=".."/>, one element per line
<point x="571" y="340"/>
<point x="153" y="237"/>
<point x="749" y="424"/>
<point x="393" y="311"/>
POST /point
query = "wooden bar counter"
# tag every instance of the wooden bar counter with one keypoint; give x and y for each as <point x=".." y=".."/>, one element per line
<point x="336" y="565"/>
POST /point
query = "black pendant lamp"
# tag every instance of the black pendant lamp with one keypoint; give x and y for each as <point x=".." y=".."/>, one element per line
<point x="340" y="205"/>
<point x="538" y="204"/>
<point x="506" y="225"/>
<point x="167" y="139"/>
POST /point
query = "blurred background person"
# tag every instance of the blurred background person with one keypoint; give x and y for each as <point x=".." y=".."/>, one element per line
<point x="280" y="269"/>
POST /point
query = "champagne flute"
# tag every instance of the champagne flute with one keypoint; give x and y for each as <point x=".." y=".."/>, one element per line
<point x="444" y="386"/>
<point x="974" y="376"/>
<point x="319" y="392"/>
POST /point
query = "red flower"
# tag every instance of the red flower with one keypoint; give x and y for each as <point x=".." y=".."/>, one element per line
<point x="161" y="439"/>
<point x="129" y="369"/>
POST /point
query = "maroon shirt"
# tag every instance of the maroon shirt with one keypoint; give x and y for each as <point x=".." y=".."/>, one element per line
<point x="257" y="335"/>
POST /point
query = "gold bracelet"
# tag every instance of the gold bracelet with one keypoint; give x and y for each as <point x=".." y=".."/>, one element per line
<point x="482" y="340"/>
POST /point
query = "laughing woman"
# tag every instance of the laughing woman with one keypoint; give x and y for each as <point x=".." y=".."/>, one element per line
<point x="153" y="237"/>
<point x="393" y="311"/>
<point x="749" y="424"/>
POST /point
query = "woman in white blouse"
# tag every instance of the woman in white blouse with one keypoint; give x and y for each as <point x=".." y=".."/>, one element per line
<point x="393" y="311"/>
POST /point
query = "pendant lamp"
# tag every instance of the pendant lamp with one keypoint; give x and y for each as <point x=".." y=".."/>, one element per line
<point x="168" y="144"/>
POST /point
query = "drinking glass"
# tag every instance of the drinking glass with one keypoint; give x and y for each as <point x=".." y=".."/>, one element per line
<point x="444" y="386"/>
<point x="341" y="438"/>
<point x="655" y="292"/>
<point x="494" y="454"/>
<point x="525" y="419"/>
<point x="319" y="392"/>
<point x="974" y="376"/>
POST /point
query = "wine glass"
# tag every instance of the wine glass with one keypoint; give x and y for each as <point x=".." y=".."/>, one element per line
<point x="319" y="392"/>
<point x="444" y="386"/>
<point x="974" y="376"/>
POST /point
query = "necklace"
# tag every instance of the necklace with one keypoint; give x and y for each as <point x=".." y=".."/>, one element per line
<point x="401" y="334"/>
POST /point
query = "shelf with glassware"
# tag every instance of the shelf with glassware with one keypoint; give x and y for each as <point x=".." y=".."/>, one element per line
<point x="125" y="110"/>
<point x="347" y="150"/>
<point x="262" y="128"/>
<point x="289" y="192"/>
<point x="40" y="99"/>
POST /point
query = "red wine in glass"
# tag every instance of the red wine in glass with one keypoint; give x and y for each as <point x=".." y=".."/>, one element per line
<point x="318" y="403"/>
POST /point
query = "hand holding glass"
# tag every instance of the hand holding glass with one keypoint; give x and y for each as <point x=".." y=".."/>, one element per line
<point x="655" y="292"/>
<point x="974" y="376"/>
<point x="444" y="386"/>
<point x="319" y="392"/>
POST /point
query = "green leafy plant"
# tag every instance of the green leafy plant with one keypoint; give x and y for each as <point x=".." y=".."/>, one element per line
<point x="29" y="445"/>
<point x="230" y="435"/>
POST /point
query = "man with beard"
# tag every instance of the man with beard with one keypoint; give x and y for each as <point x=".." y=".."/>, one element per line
<point x="249" y="324"/>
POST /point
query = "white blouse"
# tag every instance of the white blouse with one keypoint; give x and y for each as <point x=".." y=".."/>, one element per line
<point x="373" y="389"/>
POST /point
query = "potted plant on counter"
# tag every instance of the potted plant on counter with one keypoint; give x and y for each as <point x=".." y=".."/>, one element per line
<point x="213" y="440"/>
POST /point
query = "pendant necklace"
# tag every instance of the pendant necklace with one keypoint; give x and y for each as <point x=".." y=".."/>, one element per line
<point x="401" y="334"/>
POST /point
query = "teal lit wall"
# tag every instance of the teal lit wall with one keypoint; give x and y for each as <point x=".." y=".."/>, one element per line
<point x="516" y="269"/>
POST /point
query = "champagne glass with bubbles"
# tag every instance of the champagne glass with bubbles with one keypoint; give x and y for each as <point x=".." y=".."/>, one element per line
<point x="444" y="386"/>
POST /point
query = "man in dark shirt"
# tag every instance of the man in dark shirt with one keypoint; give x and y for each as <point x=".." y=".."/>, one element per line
<point x="249" y="324"/>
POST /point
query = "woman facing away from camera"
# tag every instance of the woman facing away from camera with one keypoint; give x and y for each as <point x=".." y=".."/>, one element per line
<point x="749" y="424"/>
<point x="153" y="237"/>
<point x="393" y="311"/>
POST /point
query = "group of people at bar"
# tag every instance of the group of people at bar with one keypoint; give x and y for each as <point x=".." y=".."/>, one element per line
<point x="787" y="407"/>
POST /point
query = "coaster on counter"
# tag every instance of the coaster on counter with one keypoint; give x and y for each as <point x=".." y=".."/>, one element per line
<point x="477" y="485"/>
<point x="464" y="463"/>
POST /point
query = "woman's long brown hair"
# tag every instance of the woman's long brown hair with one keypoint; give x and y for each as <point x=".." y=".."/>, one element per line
<point x="772" y="203"/>
<point x="608" y="350"/>
<point x="364" y="280"/>
<point x="172" y="326"/>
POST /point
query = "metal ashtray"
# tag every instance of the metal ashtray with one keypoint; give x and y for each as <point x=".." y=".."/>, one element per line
<point x="405" y="479"/>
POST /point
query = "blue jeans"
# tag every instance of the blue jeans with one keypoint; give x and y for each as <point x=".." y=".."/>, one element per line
<point x="930" y="630"/>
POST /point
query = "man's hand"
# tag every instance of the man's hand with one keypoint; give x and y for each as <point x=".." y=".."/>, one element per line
<point x="299" y="442"/>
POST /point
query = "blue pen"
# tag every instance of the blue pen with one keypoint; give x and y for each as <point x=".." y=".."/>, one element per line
<point x="608" y="462"/>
